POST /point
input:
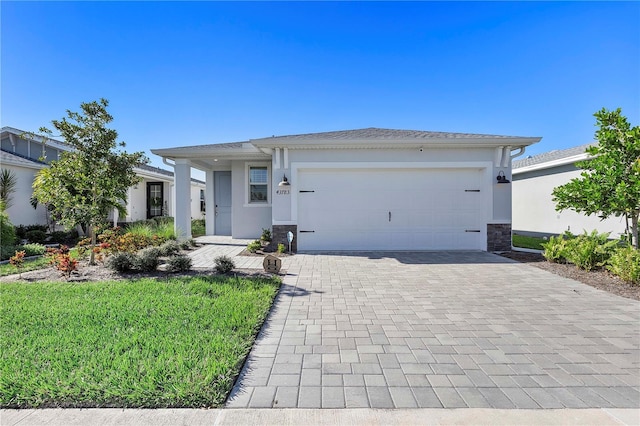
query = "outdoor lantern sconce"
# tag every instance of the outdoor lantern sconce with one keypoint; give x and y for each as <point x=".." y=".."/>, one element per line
<point x="502" y="178"/>
<point x="284" y="183"/>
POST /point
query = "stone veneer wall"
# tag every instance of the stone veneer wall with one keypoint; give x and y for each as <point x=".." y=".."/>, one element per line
<point x="279" y="236"/>
<point x="498" y="237"/>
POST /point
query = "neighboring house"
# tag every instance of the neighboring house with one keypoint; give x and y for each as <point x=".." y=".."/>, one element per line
<point x="26" y="156"/>
<point x="534" y="211"/>
<point x="367" y="189"/>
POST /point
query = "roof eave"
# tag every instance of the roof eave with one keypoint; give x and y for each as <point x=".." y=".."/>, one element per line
<point x="551" y="164"/>
<point x="394" y="143"/>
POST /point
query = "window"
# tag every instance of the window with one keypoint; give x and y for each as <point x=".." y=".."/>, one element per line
<point x="258" y="184"/>
<point x="202" y="200"/>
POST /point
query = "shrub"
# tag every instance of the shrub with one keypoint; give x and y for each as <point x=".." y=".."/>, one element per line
<point x="36" y="236"/>
<point x="61" y="237"/>
<point x="142" y="228"/>
<point x="281" y="248"/>
<point x="62" y="260"/>
<point x="122" y="262"/>
<point x="21" y="230"/>
<point x="198" y="227"/>
<point x="224" y="264"/>
<point x="17" y="260"/>
<point x="556" y="249"/>
<point x="254" y="246"/>
<point x="187" y="244"/>
<point x="179" y="264"/>
<point x="266" y="235"/>
<point x="161" y="220"/>
<point x="165" y="231"/>
<point x="34" y="249"/>
<point x="147" y="259"/>
<point x="590" y="251"/>
<point x="625" y="263"/>
<point x="170" y="248"/>
<point x="7" y="231"/>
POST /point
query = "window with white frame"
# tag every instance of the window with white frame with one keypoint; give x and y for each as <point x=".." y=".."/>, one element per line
<point x="258" y="184"/>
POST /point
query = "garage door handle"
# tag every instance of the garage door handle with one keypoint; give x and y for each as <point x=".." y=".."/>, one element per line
<point x="307" y="231"/>
<point x="389" y="216"/>
<point x="471" y="190"/>
<point x="471" y="230"/>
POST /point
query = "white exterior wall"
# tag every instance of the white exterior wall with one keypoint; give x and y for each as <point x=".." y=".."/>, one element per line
<point x="247" y="219"/>
<point x="500" y="195"/>
<point x="195" y="200"/>
<point x="21" y="212"/>
<point x="534" y="210"/>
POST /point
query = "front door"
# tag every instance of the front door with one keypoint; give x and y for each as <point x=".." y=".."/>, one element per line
<point x="222" y="200"/>
<point x="155" y="199"/>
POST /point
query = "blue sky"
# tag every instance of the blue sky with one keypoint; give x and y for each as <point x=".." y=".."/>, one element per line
<point x="207" y="72"/>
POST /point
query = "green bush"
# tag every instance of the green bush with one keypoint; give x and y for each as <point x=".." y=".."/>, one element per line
<point x="254" y="246"/>
<point x="122" y="262"/>
<point x="146" y="260"/>
<point x="165" y="231"/>
<point x="170" y="248"/>
<point x="36" y="236"/>
<point x="625" y="263"/>
<point x="281" y="248"/>
<point x="556" y="249"/>
<point x="180" y="263"/>
<point x="21" y="230"/>
<point x="187" y="244"/>
<point x="224" y="264"/>
<point x="7" y="231"/>
<point x="198" y="227"/>
<point x="590" y="251"/>
<point x="266" y="235"/>
<point x="33" y="249"/>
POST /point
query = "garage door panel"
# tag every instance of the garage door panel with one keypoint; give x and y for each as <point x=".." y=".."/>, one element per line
<point x="430" y="210"/>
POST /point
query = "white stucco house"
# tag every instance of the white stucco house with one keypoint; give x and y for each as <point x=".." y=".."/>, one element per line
<point x="365" y="189"/>
<point x="534" y="179"/>
<point x="25" y="156"/>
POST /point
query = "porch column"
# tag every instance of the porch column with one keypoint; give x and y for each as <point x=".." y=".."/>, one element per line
<point x="182" y="213"/>
<point x="210" y="208"/>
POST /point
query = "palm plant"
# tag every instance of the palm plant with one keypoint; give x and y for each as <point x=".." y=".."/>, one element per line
<point x="8" y="184"/>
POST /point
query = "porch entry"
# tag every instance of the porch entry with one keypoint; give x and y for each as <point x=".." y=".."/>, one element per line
<point x="155" y="199"/>
<point x="222" y="200"/>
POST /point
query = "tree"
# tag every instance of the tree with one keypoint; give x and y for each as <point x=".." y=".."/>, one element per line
<point x="610" y="182"/>
<point x="8" y="184"/>
<point x="83" y="185"/>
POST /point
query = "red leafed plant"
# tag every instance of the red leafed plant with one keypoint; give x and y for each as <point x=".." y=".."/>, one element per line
<point x="17" y="260"/>
<point x="62" y="261"/>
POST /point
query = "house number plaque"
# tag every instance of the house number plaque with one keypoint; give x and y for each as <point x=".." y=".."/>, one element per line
<point x="272" y="264"/>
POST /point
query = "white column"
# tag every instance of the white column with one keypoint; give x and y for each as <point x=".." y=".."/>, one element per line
<point x="182" y="213"/>
<point x="209" y="215"/>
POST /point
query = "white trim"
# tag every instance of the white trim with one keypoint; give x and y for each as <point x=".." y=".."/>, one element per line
<point x="276" y="159"/>
<point x="487" y="186"/>
<point x="286" y="159"/>
<point x="247" y="166"/>
<point x="283" y="222"/>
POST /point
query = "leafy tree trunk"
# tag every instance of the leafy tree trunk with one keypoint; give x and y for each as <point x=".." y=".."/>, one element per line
<point x="634" y="229"/>
<point x="92" y="258"/>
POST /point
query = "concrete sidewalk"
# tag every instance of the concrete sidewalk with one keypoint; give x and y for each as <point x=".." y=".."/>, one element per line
<point x="193" y="417"/>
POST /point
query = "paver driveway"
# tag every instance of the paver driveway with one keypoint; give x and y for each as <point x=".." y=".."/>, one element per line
<point x="465" y="329"/>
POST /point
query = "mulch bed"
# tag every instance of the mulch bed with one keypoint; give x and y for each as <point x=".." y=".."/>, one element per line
<point x="600" y="279"/>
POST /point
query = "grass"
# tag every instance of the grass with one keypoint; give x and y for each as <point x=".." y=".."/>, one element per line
<point x="133" y="343"/>
<point x="528" y="242"/>
<point x="29" y="265"/>
<point x="197" y="228"/>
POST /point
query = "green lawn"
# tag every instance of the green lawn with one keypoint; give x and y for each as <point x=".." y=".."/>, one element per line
<point x="136" y="343"/>
<point x="528" y="242"/>
<point x="29" y="265"/>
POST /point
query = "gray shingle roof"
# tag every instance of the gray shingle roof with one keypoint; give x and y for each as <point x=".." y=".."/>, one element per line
<point x="377" y="133"/>
<point x="18" y="158"/>
<point x="550" y="156"/>
<point x="155" y="170"/>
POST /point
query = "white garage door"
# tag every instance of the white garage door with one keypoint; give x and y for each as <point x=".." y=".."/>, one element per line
<point x="391" y="209"/>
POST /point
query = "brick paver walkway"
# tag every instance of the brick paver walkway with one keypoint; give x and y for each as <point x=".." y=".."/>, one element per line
<point x="440" y="330"/>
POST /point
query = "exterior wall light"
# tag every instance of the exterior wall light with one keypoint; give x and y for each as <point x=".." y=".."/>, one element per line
<point x="502" y="178"/>
<point x="284" y="183"/>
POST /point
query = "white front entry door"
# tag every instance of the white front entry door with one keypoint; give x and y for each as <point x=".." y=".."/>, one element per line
<point x="391" y="209"/>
